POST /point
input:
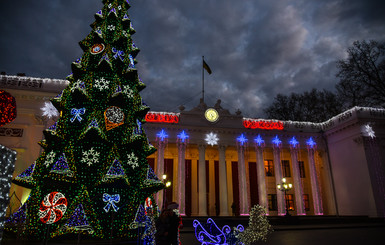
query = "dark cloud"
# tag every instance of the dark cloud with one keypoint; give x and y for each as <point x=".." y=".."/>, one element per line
<point x="256" y="49"/>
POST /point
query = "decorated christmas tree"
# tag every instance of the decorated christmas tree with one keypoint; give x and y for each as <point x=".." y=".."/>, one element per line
<point x="93" y="177"/>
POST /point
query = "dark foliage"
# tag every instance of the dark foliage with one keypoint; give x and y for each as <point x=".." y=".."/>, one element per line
<point x="362" y="75"/>
<point x="313" y="106"/>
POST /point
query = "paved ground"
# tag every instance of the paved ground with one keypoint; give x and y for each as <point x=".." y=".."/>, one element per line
<point x="357" y="234"/>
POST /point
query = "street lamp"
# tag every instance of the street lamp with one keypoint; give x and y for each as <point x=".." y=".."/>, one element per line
<point x="168" y="184"/>
<point x="285" y="187"/>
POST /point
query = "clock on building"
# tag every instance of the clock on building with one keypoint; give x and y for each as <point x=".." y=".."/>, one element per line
<point x="211" y="115"/>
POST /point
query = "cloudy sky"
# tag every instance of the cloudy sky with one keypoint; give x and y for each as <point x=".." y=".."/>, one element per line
<point x="255" y="48"/>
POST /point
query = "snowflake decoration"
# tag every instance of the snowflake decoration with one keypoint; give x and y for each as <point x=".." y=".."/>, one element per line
<point x="110" y="5"/>
<point x="276" y="141"/>
<point x="242" y="139"/>
<point x="111" y="27"/>
<point x="119" y="7"/>
<point x="310" y="142"/>
<point x="369" y="131"/>
<point x="79" y="84"/>
<point x="132" y="160"/>
<point x="91" y="156"/>
<point x="211" y="139"/>
<point x="49" y="159"/>
<point x="102" y="84"/>
<point x="259" y="141"/>
<point x="127" y="91"/>
<point x="125" y="33"/>
<point x="293" y="142"/>
<point x="49" y="110"/>
<point x="162" y="135"/>
<point x="183" y="136"/>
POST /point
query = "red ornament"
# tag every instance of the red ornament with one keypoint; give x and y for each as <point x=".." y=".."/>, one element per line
<point x="52" y="208"/>
<point x="97" y="48"/>
<point x="7" y="108"/>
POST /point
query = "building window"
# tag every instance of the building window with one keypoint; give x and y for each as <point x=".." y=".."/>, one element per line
<point x="290" y="202"/>
<point x="269" y="168"/>
<point x="301" y="166"/>
<point x="306" y="201"/>
<point x="286" y="168"/>
<point x="272" y="200"/>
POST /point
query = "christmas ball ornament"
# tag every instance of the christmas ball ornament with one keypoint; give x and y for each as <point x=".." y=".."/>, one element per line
<point x="97" y="48"/>
<point x="114" y="117"/>
<point x="52" y="208"/>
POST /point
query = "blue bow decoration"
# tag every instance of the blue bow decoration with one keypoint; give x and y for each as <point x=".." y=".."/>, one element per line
<point x="76" y="114"/>
<point x="111" y="200"/>
<point x="118" y="54"/>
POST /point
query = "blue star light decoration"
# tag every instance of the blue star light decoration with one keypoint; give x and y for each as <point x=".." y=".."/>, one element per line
<point x="162" y="135"/>
<point x="242" y="139"/>
<point x="259" y="141"/>
<point x="276" y="141"/>
<point x="311" y="143"/>
<point x="293" y="142"/>
<point x="183" y="136"/>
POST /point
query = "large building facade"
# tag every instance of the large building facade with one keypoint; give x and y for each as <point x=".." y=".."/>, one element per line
<point x="222" y="164"/>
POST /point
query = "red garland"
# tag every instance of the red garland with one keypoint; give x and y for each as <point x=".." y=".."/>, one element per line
<point x="7" y="108"/>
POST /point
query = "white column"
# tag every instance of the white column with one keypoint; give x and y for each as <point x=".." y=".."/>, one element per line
<point x="262" y="193"/>
<point x="180" y="195"/>
<point x="298" y="190"/>
<point x="278" y="179"/>
<point x="202" y="203"/>
<point x="317" y="201"/>
<point x="160" y="171"/>
<point x="224" y="210"/>
<point x="243" y="202"/>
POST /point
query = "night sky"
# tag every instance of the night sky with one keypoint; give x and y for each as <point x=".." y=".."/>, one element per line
<point x="255" y="48"/>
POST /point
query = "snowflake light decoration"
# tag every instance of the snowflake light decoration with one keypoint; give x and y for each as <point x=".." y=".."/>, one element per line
<point x="79" y="84"/>
<point x="132" y="160"/>
<point x="101" y="84"/>
<point x="90" y="157"/>
<point x="368" y="130"/>
<point x="293" y="142"/>
<point x="212" y="139"/>
<point x="128" y="91"/>
<point x="242" y="139"/>
<point x="49" y="110"/>
<point x="276" y="141"/>
<point x="259" y="141"/>
<point x="162" y="135"/>
<point x="183" y="136"/>
<point x="49" y="159"/>
<point x="310" y="142"/>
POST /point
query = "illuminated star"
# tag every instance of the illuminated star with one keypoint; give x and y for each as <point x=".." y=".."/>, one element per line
<point x="162" y="135"/>
<point x="276" y="141"/>
<point x="369" y="131"/>
<point x="212" y="139"/>
<point x="294" y="142"/>
<point x="183" y="136"/>
<point x="49" y="110"/>
<point x="259" y="140"/>
<point x="310" y="142"/>
<point x="242" y="139"/>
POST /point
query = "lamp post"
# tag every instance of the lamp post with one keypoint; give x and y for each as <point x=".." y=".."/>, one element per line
<point x="168" y="184"/>
<point x="285" y="187"/>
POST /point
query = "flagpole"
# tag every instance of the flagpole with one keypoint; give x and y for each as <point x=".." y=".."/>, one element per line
<point x="203" y="80"/>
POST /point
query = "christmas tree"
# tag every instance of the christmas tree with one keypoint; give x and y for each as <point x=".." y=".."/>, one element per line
<point x="93" y="177"/>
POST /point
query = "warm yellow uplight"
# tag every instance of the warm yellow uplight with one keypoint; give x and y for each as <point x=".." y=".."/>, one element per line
<point x="164" y="176"/>
<point x="168" y="184"/>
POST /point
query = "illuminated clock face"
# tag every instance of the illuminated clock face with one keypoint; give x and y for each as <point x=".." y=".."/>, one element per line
<point x="211" y="115"/>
